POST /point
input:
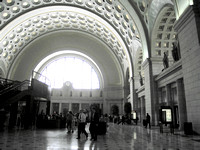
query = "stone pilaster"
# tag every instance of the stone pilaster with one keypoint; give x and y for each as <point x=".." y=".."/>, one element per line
<point x="143" y="109"/>
<point x="133" y="96"/>
<point x="181" y="103"/>
<point x="131" y="93"/>
<point x="149" y="88"/>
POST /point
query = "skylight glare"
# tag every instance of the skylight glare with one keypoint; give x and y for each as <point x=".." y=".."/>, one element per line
<point x="72" y="69"/>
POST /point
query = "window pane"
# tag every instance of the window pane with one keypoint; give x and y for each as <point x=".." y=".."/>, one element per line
<point x="75" y="70"/>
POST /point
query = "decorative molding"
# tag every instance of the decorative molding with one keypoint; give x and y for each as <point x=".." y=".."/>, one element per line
<point x="141" y="89"/>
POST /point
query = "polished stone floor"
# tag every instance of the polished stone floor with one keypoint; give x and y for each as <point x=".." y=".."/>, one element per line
<point x="118" y="137"/>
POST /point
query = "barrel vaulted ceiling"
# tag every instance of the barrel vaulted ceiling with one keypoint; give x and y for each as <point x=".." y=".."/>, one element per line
<point x="108" y="20"/>
<point x="123" y="26"/>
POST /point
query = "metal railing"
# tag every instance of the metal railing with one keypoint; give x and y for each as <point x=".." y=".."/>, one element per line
<point x="37" y="75"/>
<point x="12" y="85"/>
<point x="39" y="88"/>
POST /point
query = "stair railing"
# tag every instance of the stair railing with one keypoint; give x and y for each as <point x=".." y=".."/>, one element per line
<point x="16" y="85"/>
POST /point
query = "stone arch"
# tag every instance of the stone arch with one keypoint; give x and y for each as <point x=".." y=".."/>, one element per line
<point x="113" y="12"/>
<point x="38" y="25"/>
<point x="69" y="53"/>
<point x="112" y="73"/>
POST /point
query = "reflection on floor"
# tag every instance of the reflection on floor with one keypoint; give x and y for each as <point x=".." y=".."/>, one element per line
<point x="118" y="137"/>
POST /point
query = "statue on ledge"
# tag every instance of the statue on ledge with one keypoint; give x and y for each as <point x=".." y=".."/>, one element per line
<point x="165" y="61"/>
<point x="141" y="79"/>
<point x="175" y="52"/>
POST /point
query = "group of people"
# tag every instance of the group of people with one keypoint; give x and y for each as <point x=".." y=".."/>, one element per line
<point x="123" y="119"/>
<point x="81" y="120"/>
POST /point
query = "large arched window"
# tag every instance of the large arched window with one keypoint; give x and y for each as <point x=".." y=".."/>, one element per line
<point x="72" y="69"/>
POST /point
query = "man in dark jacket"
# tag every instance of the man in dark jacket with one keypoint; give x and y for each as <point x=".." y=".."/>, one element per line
<point x="148" y="121"/>
<point x="81" y="125"/>
<point x="94" y="124"/>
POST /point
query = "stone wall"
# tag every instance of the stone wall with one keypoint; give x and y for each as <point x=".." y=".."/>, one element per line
<point x="187" y="27"/>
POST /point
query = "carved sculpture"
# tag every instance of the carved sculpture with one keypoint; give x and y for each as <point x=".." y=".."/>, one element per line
<point x="141" y="79"/>
<point x="175" y="52"/>
<point x="165" y="61"/>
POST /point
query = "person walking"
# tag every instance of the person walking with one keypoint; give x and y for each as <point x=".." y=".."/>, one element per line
<point x="69" y="121"/>
<point x="74" y="119"/>
<point x="81" y="124"/>
<point x="94" y="124"/>
<point x="122" y="119"/>
<point x="136" y="120"/>
<point x="148" y="121"/>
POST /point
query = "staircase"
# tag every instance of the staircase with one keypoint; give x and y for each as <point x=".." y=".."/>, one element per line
<point x="12" y="91"/>
<point x="16" y="96"/>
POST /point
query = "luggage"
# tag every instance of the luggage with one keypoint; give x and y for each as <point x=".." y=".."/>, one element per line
<point x="144" y="123"/>
<point x="102" y="127"/>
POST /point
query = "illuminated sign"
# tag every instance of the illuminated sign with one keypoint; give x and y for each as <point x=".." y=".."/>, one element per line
<point x="167" y="114"/>
<point x="134" y="114"/>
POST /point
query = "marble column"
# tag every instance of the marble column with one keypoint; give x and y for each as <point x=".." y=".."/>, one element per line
<point x="143" y="108"/>
<point x="60" y="107"/>
<point x="70" y="106"/>
<point x="139" y="109"/>
<point x="149" y="89"/>
<point x="132" y="100"/>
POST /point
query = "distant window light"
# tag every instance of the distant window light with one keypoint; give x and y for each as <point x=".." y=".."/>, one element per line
<point x="72" y="69"/>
